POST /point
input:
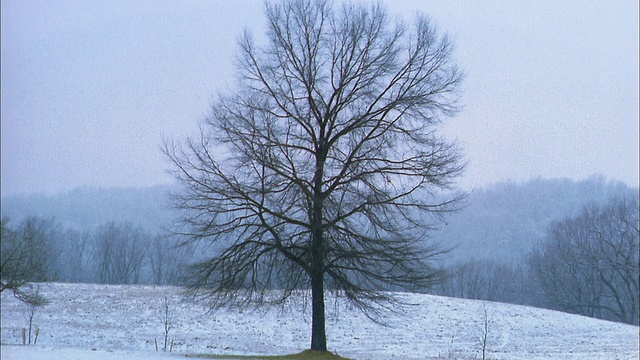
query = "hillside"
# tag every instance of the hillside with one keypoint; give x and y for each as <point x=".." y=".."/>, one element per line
<point x="123" y="321"/>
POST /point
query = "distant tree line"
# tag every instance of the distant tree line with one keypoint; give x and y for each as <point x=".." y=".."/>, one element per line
<point x="586" y="264"/>
<point x="38" y="250"/>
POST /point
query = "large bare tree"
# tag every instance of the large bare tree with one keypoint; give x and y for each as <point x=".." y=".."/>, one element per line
<point x="322" y="169"/>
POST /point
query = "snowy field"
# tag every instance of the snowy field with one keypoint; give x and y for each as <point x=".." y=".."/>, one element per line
<point x="121" y="322"/>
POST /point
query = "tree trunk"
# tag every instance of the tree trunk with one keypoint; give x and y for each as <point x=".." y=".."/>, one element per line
<point x="318" y="333"/>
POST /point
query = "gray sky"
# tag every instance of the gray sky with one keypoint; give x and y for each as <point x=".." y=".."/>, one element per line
<point x="90" y="88"/>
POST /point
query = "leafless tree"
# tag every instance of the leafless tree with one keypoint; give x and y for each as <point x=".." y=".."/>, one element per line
<point x="483" y="280"/>
<point x="168" y="260"/>
<point x="484" y="335"/>
<point x="321" y="169"/>
<point x="166" y="322"/>
<point x="75" y="262"/>
<point x="33" y="300"/>
<point x="27" y="252"/>
<point x="119" y="253"/>
<point x="13" y="272"/>
<point x="612" y="251"/>
<point x="159" y="256"/>
<point x="589" y="264"/>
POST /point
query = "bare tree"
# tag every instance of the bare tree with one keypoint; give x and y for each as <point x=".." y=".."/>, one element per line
<point x="33" y="300"/>
<point x="168" y="259"/>
<point x="119" y="253"/>
<point x="612" y="252"/>
<point x="484" y="335"/>
<point x="589" y="264"/>
<point x="13" y="270"/>
<point x="28" y="252"/>
<point x="166" y="322"/>
<point x="320" y="171"/>
<point x="159" y="257"/>
<point x="483" y="280"/>
<point x="75" y="263"/>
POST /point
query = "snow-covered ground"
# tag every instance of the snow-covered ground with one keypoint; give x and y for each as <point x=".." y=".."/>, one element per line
<point x="121" y="322"/>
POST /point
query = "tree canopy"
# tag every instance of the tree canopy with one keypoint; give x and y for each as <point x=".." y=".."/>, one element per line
<point x="323" y="167"/>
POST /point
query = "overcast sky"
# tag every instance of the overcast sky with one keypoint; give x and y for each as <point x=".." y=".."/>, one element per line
<point x="90" y="88"/>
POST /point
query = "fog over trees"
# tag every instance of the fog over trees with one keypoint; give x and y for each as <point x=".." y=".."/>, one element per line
<point x="588" y="264"/>
<point x="37" y="249"/>
<point x="503" y="272"/>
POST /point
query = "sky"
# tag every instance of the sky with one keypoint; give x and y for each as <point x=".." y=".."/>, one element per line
<point x="90" y="89"/>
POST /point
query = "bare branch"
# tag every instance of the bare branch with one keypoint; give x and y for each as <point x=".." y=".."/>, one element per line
<point x="324" y="165"/>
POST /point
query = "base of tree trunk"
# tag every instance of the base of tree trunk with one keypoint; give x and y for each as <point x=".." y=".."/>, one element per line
<point x="319" y="355"/>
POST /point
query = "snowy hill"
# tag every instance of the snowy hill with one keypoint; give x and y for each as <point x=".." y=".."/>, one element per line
<point x="122" y="321"/>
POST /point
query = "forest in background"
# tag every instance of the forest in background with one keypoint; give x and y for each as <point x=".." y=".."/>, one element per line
<point x="502" y="241"/>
